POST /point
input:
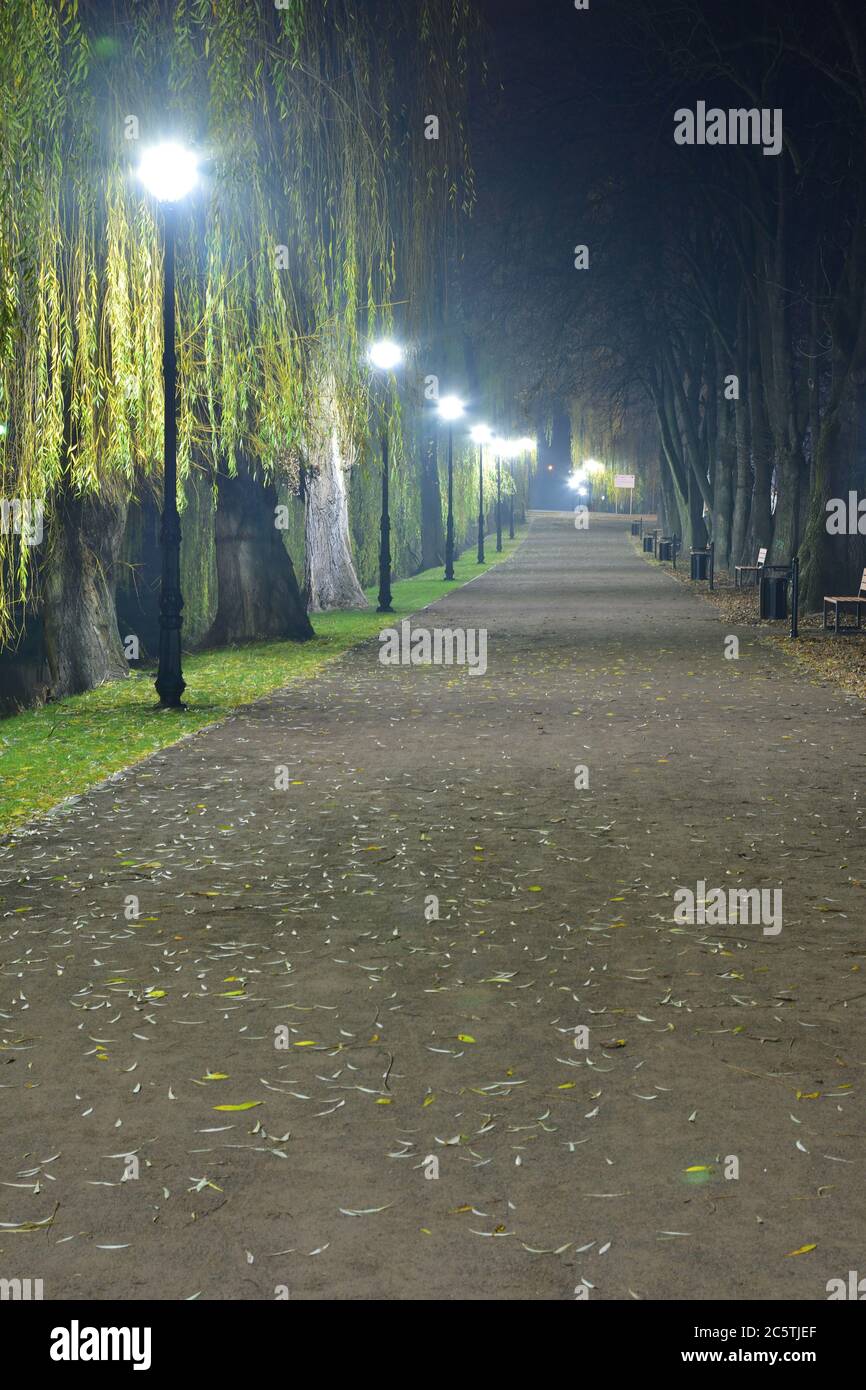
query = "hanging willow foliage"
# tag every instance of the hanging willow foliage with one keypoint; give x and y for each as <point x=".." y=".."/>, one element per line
<point x="322" y="203"/>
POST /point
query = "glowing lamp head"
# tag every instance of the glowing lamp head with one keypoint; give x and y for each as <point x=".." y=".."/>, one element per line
<point x="593" y="466"/>
<point x="482" y="434"/>
<point x="451" y="408"/>
<point x="384" y="355"/>
<point x="168" y="171"/>
<point x="575" y="481"/>
<point x="527" y="445"/>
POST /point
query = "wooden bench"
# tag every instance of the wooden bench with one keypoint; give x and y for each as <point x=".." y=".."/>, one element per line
<point x="840" y="601"/>
<point x="754" y="570"/>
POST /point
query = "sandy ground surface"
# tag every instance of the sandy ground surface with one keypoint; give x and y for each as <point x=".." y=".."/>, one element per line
<point x="282" y="961"/>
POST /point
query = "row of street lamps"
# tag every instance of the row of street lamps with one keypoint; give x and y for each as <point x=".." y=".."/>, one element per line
<point x="387" y="356"/>
<point x="170" y="172"/>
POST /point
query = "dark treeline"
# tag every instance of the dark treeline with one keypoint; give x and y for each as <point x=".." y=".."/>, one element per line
<point x="720" y="319"/>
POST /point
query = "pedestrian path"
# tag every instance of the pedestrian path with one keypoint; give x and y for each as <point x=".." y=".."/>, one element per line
<point x="296" y="1007"/>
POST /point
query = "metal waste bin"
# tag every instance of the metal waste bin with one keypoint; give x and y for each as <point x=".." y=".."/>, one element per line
<point x="635" y="528"/>
<point x="700" y="564"/>
<point x="666" y="549"/>
<point x="648" y="543"/>
<point x="774" y="595"/>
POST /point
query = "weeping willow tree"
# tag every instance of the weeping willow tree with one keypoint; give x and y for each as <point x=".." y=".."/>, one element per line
<point x="324" y="211"/>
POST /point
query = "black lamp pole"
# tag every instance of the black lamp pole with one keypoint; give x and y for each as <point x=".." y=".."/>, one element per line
<point x="449" y="527"/>
<point x="498" y="503"/>
<point x="385" y="534"/>
<point x="511" y="504"/>
<point x="170" y="683"/>
<point x="481" y="504"/>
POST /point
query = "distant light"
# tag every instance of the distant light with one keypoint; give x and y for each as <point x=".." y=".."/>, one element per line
<point x="527" y="445"/>
<point x="4" y="429"/>
<point x="593" y="466"/>
<point x="168" y="171"/>
<point x="583" y="492"/>
<point x="482" y="434"/>
<point x="575" y="481"/>
<point x="550" y="468"/>
<point x="451" y="408"/>
<point x="385" y="355"/>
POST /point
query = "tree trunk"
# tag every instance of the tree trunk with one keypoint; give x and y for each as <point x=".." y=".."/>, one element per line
<point x="330" y="579"/>
<point x="257" y="592"/>
<point x="432" y="530"/>
<point x="82" y="642"/>
<point x="723" y="489"/>
<point x="759" y="514"/>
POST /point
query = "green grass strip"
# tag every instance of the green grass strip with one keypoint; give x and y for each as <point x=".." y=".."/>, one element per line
<point x="62" y="749"/>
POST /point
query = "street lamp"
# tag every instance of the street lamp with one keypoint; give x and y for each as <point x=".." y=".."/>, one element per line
<point x="509" y="450"/>
<point x="169" y="172"/>
<point x="384" y="356"/>
<point x="481" y="434"/>
<point x="451" y="408"/>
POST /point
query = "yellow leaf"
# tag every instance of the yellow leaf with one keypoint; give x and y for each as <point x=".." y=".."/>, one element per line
<point x="244" y="1105"/>
<point x="465" y="1037"/>
<point x="804" y="1250"/>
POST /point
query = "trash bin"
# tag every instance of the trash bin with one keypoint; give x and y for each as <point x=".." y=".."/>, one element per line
<point x="648" y="543"/>
<point x="635" y="528"/>
<point x="700" y="564"/>
<point x="774" y="596"/>
<point x="666" y="550"/>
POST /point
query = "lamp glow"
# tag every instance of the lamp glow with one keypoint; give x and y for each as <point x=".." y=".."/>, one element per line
<point x="451" y="408"/>
<point x="385" y="355"/>
<point x="482" y="434"/>
<point x="168" y="171"/>
<point x="593" y="466"/>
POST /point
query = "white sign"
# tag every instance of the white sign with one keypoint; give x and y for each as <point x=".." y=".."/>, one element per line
<point x="624" y="480"/>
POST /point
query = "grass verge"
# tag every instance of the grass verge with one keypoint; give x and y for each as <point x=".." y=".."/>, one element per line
<point x="62" y="749"/>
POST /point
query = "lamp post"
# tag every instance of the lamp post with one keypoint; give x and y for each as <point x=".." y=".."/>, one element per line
<point x="385" y="356"/>
<point x="169" y="172"/>
<point x="451" y="408"/>
<point x="498" y="502"/>
<point x="482" y="435"/>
